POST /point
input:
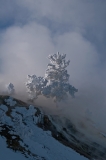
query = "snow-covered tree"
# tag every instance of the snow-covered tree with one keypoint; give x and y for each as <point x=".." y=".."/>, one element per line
<point x="55" y="83"/>
<point x="56" y="74"/>
<point x="10" y="88"/>
<point x="35" y="86"/>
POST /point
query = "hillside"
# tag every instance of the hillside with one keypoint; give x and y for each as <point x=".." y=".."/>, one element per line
<point x="26" y="130"/>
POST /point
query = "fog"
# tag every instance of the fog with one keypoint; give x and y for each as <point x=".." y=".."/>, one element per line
<point x="30" y="31"/>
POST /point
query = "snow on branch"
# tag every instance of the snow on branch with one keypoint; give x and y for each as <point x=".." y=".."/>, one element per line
<point x="56" y="68"/>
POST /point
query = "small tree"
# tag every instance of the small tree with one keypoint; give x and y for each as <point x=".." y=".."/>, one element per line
<point x="10" y="88"/>
<point x="55" y="84"/>
<point x="35" y="86"/>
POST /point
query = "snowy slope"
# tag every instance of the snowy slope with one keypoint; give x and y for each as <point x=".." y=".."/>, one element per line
<point x="18" y="127"/>
<point x="25" y="133"/>
<point x="8" y="154"/>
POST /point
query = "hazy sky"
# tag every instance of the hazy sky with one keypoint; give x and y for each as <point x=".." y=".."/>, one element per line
<point x="30" y="30"/>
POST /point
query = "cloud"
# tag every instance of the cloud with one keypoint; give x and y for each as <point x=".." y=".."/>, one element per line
<point x="26" y="45"/>
<point x="83" y="55"/>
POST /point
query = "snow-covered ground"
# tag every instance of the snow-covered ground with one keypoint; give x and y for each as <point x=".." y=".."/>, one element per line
<point x="63" y="153"/>
<point x="8" y="154"/>
<point x="28" y="133"/>
<point x="26" y="140"/>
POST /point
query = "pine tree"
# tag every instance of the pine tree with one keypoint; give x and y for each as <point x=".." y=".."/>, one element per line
<point x="56" y="74"/>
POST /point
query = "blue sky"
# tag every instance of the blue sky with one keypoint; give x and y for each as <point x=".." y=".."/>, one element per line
<point x="30" y="30"/>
